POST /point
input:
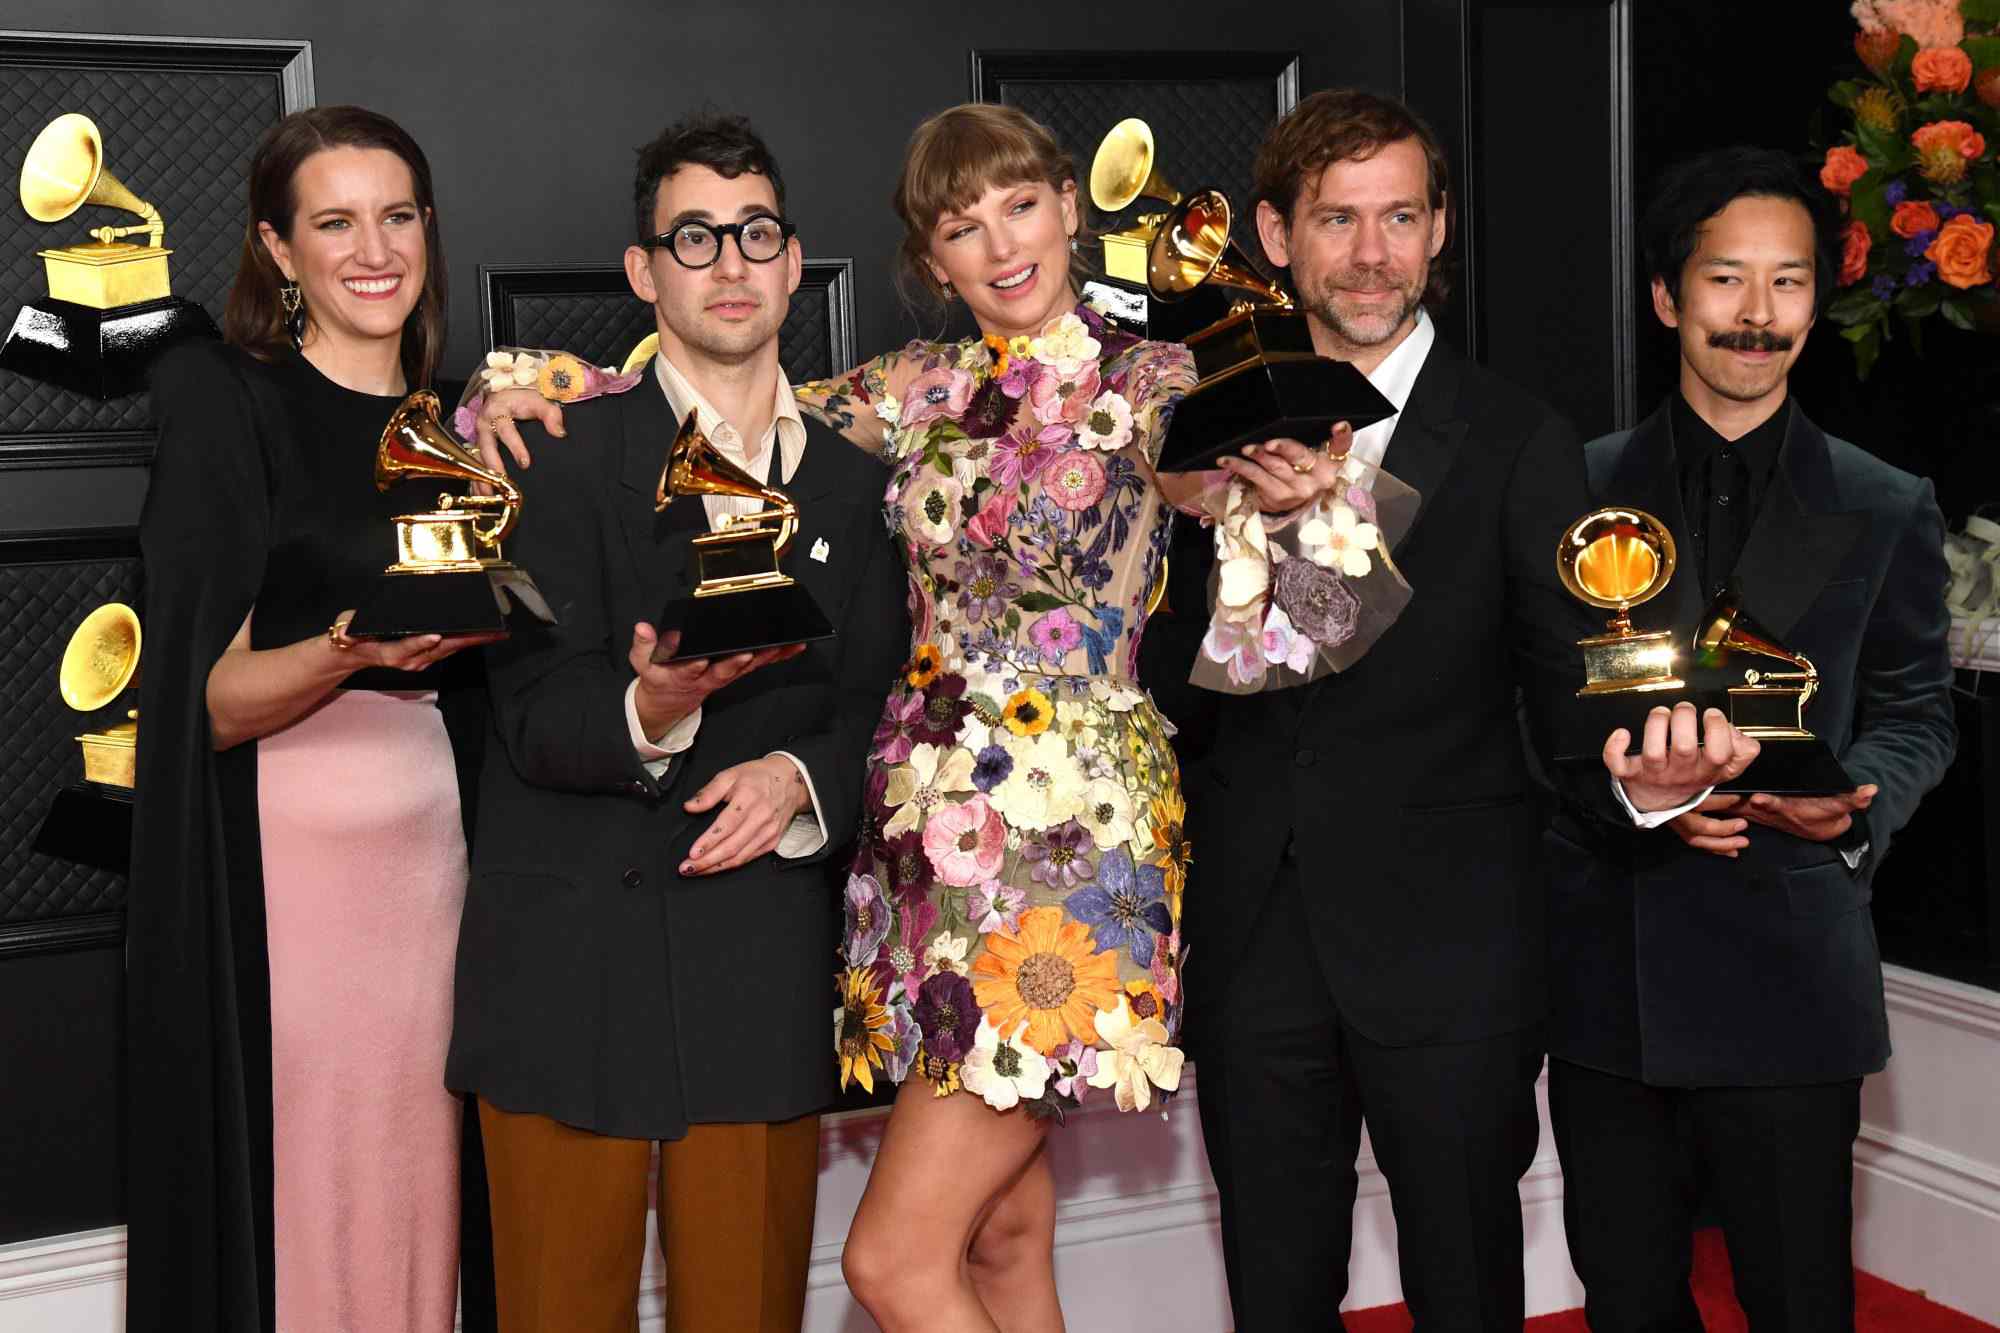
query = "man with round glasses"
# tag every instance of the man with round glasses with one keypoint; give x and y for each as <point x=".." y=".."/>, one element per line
<point x="643" y="954"/>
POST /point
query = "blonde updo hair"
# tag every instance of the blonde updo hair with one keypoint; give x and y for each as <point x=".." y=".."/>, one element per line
<point x="955" y="157"/>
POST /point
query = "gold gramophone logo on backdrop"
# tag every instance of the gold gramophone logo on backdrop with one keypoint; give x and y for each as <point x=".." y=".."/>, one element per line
<point x="100" y="662"/>
<point x="1259" y="374"/>
<point x="1615" y="559"/>
<point x="110" y="305"/>
<point x="450" y="576"/>
<point x="743" y="599"/>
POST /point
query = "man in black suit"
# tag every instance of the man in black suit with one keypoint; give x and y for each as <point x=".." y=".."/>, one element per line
<point x="1364" y="913"/>
<point x="649" y="932"/>
<point x="1715" y="984"/>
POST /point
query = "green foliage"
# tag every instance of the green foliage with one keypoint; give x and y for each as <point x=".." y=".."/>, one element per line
<point x="1869" y="204"/>
<point x="1917" y="302"/>
<point x="1036" y="600"/>
<point x="1906" y="51"/>
<point x="1979" y="11"/>
<point x="1842" y="94"/>
<point x="1985" y="51"/>
<point x="1867" y="340"/>
<point x="1957" y="312"/>
<point x="1857" y="305"/>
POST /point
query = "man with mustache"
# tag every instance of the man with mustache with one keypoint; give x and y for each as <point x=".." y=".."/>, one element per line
<point x="1365" y="929"/>
<point x="1715" y="988"/>
<point x="643" y="952"/>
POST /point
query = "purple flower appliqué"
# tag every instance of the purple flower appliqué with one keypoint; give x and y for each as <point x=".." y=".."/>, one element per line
<point x="893" y="734"/>
<point x="985" y="587"/>
<point x="1124" y="908"/>
<point x="868" y="919"/>
<point x="990" y="767"/>
<point x="1059" y="858"/>
<point x="948" y="1012"/>
<point x="906" y="865"/>
<point x="988" y="413"/>
<point x="1057" y="634"/>
<point x="944" y="708"/>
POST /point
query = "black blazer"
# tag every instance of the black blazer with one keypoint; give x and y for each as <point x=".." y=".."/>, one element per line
<point x="1402" y="782"/>
<point x="595" y="984"/>
<point x="1685" y="969"/>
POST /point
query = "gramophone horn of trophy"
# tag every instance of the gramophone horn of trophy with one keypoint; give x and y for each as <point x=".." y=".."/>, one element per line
<point x="743" y="600"/>
<point x="1259" y="375"/>
<point x="110" y="306"/>
<point x="1615" y="559"/>
<point x="1769" y="705"/>
<point x="450" y="576"/>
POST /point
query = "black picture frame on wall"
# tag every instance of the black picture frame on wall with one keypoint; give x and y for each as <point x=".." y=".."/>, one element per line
<point x="589" y="309"/>
<point x="233" y="88"/>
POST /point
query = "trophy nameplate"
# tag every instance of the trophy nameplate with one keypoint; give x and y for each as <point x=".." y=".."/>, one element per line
<point x="450" y="576"/>
<point x="110" y="307"/>
<point x="743" y="601"/>
<point x="90" y="822"/>
<point x="1769" y="705"/>
<point x="1259" y="376"/>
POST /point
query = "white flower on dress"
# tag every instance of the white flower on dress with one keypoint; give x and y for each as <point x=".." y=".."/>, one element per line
<point x="510" y="370"/>
<point x="1006" y="1071"/>
<point x="947" y="953"/>
<point x="1138" y="1059"/>
<point x="933" y="508"/>
<point x="1340" y="540"/>
<point x="924" y="782"/>
<point x="1106" y="424"/>
<point x="1118" y="698"/>
<point x="1065" y="344"/>
<point x="1077" y="721"/>
<point x="1243" y="555"/>
<point x="1044" y="787"/>
<point x="1107" y="813"/>
<point x="888" y="411"/>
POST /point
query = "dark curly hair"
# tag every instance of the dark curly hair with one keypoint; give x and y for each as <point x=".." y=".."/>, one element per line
<point x="725" y="145"/>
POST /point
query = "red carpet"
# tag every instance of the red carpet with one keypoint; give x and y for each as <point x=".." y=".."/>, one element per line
<point x="1879" y="1307"/>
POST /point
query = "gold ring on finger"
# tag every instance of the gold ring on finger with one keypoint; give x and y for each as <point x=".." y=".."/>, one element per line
<point x="1305" y="465"/>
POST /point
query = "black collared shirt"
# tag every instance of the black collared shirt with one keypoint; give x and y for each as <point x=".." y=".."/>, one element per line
<point x="1723" y="484"/>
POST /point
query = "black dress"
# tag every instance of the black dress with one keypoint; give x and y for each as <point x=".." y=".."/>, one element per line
<point x="262" y="496"/>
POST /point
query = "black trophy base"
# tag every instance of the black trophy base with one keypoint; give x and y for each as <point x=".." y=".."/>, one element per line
<point x="1294" y="397"/>
<point x="90" y="824"/>
<point x="102" y="353"/>
<point x="1792" y="766"/>
<point x="488" y="601"/>
<point x="742" y="622"/>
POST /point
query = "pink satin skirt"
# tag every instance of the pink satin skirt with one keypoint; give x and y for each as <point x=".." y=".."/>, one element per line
<point x="364" y="879"/>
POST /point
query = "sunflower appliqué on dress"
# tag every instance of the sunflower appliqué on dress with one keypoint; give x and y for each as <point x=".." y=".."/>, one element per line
<point x="1013" y="915"/>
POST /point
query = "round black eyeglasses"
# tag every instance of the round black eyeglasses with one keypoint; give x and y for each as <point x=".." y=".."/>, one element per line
<point x="699" y="244"/>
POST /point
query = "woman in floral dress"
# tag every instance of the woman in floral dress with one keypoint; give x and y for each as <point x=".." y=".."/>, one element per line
<point x="1013" y="912"/>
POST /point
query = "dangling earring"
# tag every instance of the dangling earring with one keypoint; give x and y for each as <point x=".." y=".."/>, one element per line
<point x="295" y="313"/>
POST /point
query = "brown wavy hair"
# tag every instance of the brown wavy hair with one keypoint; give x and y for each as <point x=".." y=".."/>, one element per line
<point x="254" y="318"/>
<point x="955" y="157"/>
<point x="1348" y="125"/>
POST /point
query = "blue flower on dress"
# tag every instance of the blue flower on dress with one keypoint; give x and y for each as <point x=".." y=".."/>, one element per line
<point x="1125" y="908"/>
<point x="991" y="767"/>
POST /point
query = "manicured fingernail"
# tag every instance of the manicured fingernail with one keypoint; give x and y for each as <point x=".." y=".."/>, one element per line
<point x="686" y="867"/>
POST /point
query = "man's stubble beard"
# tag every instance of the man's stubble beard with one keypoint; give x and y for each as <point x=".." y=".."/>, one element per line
<point x="1320" y="302"/>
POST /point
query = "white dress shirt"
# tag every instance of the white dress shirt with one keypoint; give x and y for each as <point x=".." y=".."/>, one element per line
<point x="806" y="833"/>
<point x="1394" y="379"/>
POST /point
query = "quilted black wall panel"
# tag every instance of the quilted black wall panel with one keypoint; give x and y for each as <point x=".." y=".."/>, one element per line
<point x="1206" y="112"/>
<point x="47" y="586"/>
<point x="179" y="119"/>
<point x="590" y="310"/>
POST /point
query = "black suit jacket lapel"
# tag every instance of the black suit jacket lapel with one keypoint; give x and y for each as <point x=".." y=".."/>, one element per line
<point x="1641" y="473"/>
<point x="1799" y="536"/>
<point x="1428" y="431"/>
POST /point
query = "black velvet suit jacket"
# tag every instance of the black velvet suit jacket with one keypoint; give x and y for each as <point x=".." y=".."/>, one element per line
<point x="1402" y="782"/>
<point x="1685" y="969"/>
<point x="596" y="985"/>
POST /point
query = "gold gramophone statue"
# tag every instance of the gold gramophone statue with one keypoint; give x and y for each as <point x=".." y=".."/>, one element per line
<point x="1260" y="376"/>
<point x="1616" y="559"/>
<point x="91" y="821"/>
<point x="110" y="306"/>
<point x="450" y="576"/>
<point x="743" y="600"/>
<point x="1768" y="705"/>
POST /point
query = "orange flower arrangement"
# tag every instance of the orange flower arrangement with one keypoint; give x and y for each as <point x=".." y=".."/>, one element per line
<point x="1941" y="69"/>
<point x="563" y="378"/>
<point x="1961" y="251"/>
<point x="1913" y="216"/>
<point x="1046" y="976"/>
<point x="1842" y="168"/>
<point x="1854" y="246"/>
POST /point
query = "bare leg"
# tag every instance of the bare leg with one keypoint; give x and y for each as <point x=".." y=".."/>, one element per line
<point x="1013" y="1253"/>
<point x="943" y="1164"/>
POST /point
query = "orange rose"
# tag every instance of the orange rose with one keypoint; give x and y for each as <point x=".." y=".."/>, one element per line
<point x="1854" y="252"/>
<point x="1913" y="217"/>
<point x="1961" y="250"/>
<point x="1844" y="166"/>
<point x="1956" y="135"/>
<point x="1987" y="86"/>
<point x="1941" y="69"/>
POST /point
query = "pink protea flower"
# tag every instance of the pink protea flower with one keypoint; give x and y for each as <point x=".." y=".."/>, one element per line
<point x="1075" y="479"/>
<point x="966" y="842"/>
<point x="936" y="393"/>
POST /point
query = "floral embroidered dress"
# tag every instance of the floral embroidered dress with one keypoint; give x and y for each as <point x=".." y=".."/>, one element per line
<point x="1013" y="914"/>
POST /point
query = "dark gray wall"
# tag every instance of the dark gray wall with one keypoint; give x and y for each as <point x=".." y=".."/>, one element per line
<point x="530" y="116"/>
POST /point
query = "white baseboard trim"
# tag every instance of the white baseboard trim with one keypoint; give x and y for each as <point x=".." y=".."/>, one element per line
<point x="1948" y="1177"/>
<point x="1921" y="995"/>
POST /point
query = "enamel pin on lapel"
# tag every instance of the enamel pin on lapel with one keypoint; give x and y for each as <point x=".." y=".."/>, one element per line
<point x="819" y="550"/>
